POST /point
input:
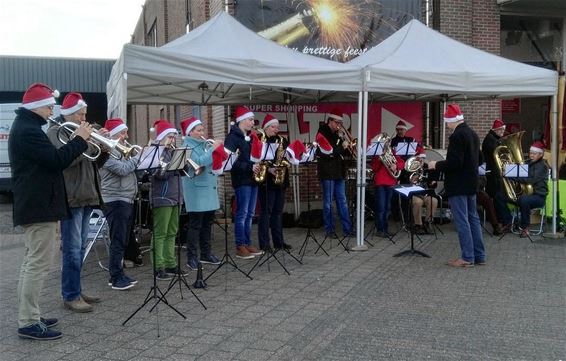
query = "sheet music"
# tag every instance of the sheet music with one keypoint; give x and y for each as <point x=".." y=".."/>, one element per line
<point x="516" y="170"/>
<point x="178" y="159"/>
<point x="230" y="161"/>
<point x="374" y="149"/>
<point x="482" y="169"/>
<point x="406" y="148"/>
<point x="405" y="190"/>
<point x="309" y="155"/>
<point x="150" y="157"/>
<point x="270" y="151"/>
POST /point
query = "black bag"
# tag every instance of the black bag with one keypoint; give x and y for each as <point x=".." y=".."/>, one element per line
<point x="312" y="219"/>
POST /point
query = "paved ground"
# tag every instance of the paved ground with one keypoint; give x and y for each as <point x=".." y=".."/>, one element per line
<point x="357" y="306"/>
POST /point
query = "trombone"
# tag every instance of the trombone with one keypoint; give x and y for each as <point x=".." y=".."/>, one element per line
<point x="352" y="142"/>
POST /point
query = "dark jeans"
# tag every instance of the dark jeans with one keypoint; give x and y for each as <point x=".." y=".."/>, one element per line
<point x="526" y="203"/>
<point x="119" y="217"/>
<point x="382" y="206"/>
<point x="501" y="209"/>
<point x="271" y="216"/>
<point x="199" y="232"/>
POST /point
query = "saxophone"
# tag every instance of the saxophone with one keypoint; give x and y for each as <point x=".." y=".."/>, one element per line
<point x="259" y="176"/>
<point x="280" y="163"/>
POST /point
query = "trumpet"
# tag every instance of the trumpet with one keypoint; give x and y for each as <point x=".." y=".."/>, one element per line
<point x="96" y="140"/>
<point x="209" y="143"/>
<point x="128" y="150"/>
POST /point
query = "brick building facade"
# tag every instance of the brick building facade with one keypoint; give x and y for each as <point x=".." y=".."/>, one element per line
<point x="474" y="22"/>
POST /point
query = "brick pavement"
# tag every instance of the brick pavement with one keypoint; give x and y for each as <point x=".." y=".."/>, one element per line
<point x="358" y="306"/>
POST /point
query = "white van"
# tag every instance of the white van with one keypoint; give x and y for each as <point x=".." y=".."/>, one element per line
<point x="7" y="116"/>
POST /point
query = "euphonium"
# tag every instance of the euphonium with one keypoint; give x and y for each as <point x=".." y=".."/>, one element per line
<point x="96" y="140"/>
<point x="510" y="152"/>
<point x="280" y="164"/>
<point x="415" y="168"/>
<point x="259" y="176"/>
<point x="387" y="157"/>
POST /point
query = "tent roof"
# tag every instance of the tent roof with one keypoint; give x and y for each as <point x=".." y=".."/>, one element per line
<point x="421" y="63"/>
<point x="236" y="65"/>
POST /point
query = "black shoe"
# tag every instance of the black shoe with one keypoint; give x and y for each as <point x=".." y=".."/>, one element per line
<point x="175" y="271"/>
<point x="419" y="229"/>
<point x="192" y="263"/>
<point x="49" y="322"/>
<point x="210" y="259"/>
<point x="38" y="331"/>
<point x="266" y="249"/>
<point x="162" y="275"/>
<point x="285" y="246"/>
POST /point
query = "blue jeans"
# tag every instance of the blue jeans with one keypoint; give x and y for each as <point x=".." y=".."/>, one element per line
<point x="383" y="196"/>
<point x="74" y="233"/>
<point x="271" y="201"/>
<point x="119" y="217"/>
<point x="526" y="203"/>
<point x="246" y="197"/>
<point x="335" y="188"/>
<point x="465" y="217"/>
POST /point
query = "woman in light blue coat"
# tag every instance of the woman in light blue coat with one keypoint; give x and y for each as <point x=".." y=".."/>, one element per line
<point x="201" y="195"/>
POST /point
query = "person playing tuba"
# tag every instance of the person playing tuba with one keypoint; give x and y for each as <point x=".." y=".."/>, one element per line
<point x="271" y="192"/>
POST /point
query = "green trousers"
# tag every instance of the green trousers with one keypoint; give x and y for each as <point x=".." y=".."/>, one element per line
<point x="165" y="226"/>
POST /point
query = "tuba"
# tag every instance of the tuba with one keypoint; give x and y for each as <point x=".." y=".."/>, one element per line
<point x="259" y="177"/>
<point x="280" y="164"/>
<point x="510" y="152"/>
<point x="387" y="157"/>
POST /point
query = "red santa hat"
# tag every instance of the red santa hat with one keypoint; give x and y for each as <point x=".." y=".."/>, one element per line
<point x="497" y="124"/>
<point x="39" y="95"/>
<point x="453" y="113"/>
<point x="323" y="144"/>
<point x="336" y="114"/>
<point x="269" y="120"/>
<point x="162" y="128"/>
<point x="219" y="158"/>
<point x="295" y="152"/>
<point x="115" y="126"/>
<point x="73" y="102"/>
<point x="537" y="147"/>
<point x="401" y="125"/>
<point x="257" y="148"/>
<point x="420" y="151"/>
<point x="242" y="113"/>
<point x="188" y="125"/>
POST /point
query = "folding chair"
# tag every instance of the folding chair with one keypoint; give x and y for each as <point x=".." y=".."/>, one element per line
<point x="98" y="232"/>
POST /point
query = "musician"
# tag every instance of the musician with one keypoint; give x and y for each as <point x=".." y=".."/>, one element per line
<point x="200" y="194"/>
<point x="400" y="137"/>
<point x="271" y="192"/>
<point x="427" y="200"/>
<point x="461" y="185"/>
<point x="384" y="180"/>
<point x="166" y="200"/>
<point x="494" y="187"/>
<point x="82" y="184"/>
<point x="538" y="178"/>
<point x="119" y="188"/>
<point x="242" y="174"/>
<point x="332" y="173"/>
<point x="39" y="201"/>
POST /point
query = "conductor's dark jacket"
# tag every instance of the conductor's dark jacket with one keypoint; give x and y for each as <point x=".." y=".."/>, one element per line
<point x="331" y="166"/>
<point x="37" y="170"/>
<point x="462" y="160"/>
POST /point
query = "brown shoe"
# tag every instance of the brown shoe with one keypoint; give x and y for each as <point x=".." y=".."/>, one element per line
<point x="254" y="251"/>
<point x="90" y="299"/>
<point x="460" y="263"/>
<point x="524" y="233"/>
<point x="78" y="305"/>
<point x="243" y="253"/>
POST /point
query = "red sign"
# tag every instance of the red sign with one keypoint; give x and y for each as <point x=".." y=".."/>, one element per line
<point x="511" y="105"/>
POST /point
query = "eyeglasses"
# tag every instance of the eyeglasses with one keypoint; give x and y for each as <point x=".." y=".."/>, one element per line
<point x="51" y="106"/>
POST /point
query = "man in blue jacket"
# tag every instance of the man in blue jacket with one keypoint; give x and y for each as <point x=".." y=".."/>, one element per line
<point x="461" y="185"/>
<point x="40" y="200"/>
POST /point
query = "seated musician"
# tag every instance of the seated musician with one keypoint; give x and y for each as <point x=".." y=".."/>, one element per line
<point x="384" y="180"/>
<point x="538" y="178"/>
<point x="426" y="200"/>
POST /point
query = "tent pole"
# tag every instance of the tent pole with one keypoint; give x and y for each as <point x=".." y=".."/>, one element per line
<point x="554" y="151"/>
<point x="362" y="119"/>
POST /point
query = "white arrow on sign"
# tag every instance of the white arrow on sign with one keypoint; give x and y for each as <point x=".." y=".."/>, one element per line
<point x="390" y="120"/>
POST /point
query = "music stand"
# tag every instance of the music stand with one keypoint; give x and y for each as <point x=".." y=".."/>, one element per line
<point x="227" y="258"/>
<point x="150" y="160"/>
<point x="409" y="192"/>
<point x="309" y="159"/>
<point x="520" y="170"/>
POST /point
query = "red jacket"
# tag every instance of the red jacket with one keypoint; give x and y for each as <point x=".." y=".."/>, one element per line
<point x="381" y="174"/>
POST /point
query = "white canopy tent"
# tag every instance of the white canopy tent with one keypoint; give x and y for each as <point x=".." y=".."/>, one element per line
<point x="222" y="62"/>
<point x="419" y="63"/>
